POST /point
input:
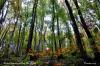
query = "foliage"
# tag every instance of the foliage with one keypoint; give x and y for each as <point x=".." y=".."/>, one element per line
<point x="52" y="27"/>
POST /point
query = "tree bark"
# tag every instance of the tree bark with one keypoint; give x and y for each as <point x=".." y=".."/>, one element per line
<point x="76" y="31"/>
<point x="40" y="33"/>
<point x="18" y="42"/>
<point x="32" y="25"/>
<point x="53" y="26"/>
<point x="90" y="37"/>
<point x="58" y="32"/>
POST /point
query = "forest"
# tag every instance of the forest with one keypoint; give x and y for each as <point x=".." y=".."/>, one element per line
<point x="49" y="32"/>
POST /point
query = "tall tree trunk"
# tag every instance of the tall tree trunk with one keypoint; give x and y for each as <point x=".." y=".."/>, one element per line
<point x="53" y="26"/>
<point x="90" y="37"/>
<point x="58" y="29"/>
<point x="58" y="32"/>
<point x="76" y="31"/>
<point x="44" y="38"/>
<point x="18" y="42"/>
<point x="40" y="33"/>
<point x="69" y="34"/>
<point x="32" y="25"/>
<point x="35" y="36"/>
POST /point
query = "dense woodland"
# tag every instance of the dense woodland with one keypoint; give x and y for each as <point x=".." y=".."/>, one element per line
<point x="44" y="32"/>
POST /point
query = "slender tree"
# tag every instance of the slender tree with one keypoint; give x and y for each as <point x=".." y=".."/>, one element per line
<point x="76" y="31"/>
<point x="40" y="33"/>
<point x="35" y="36"/>
<point x="18" y="41"/>
<point x="58" y="31"/>
<point x="53" y="25"/>
<point x="57" y="19"/>
<point x="91" y="40"/>
<point x="32" y="25"/>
